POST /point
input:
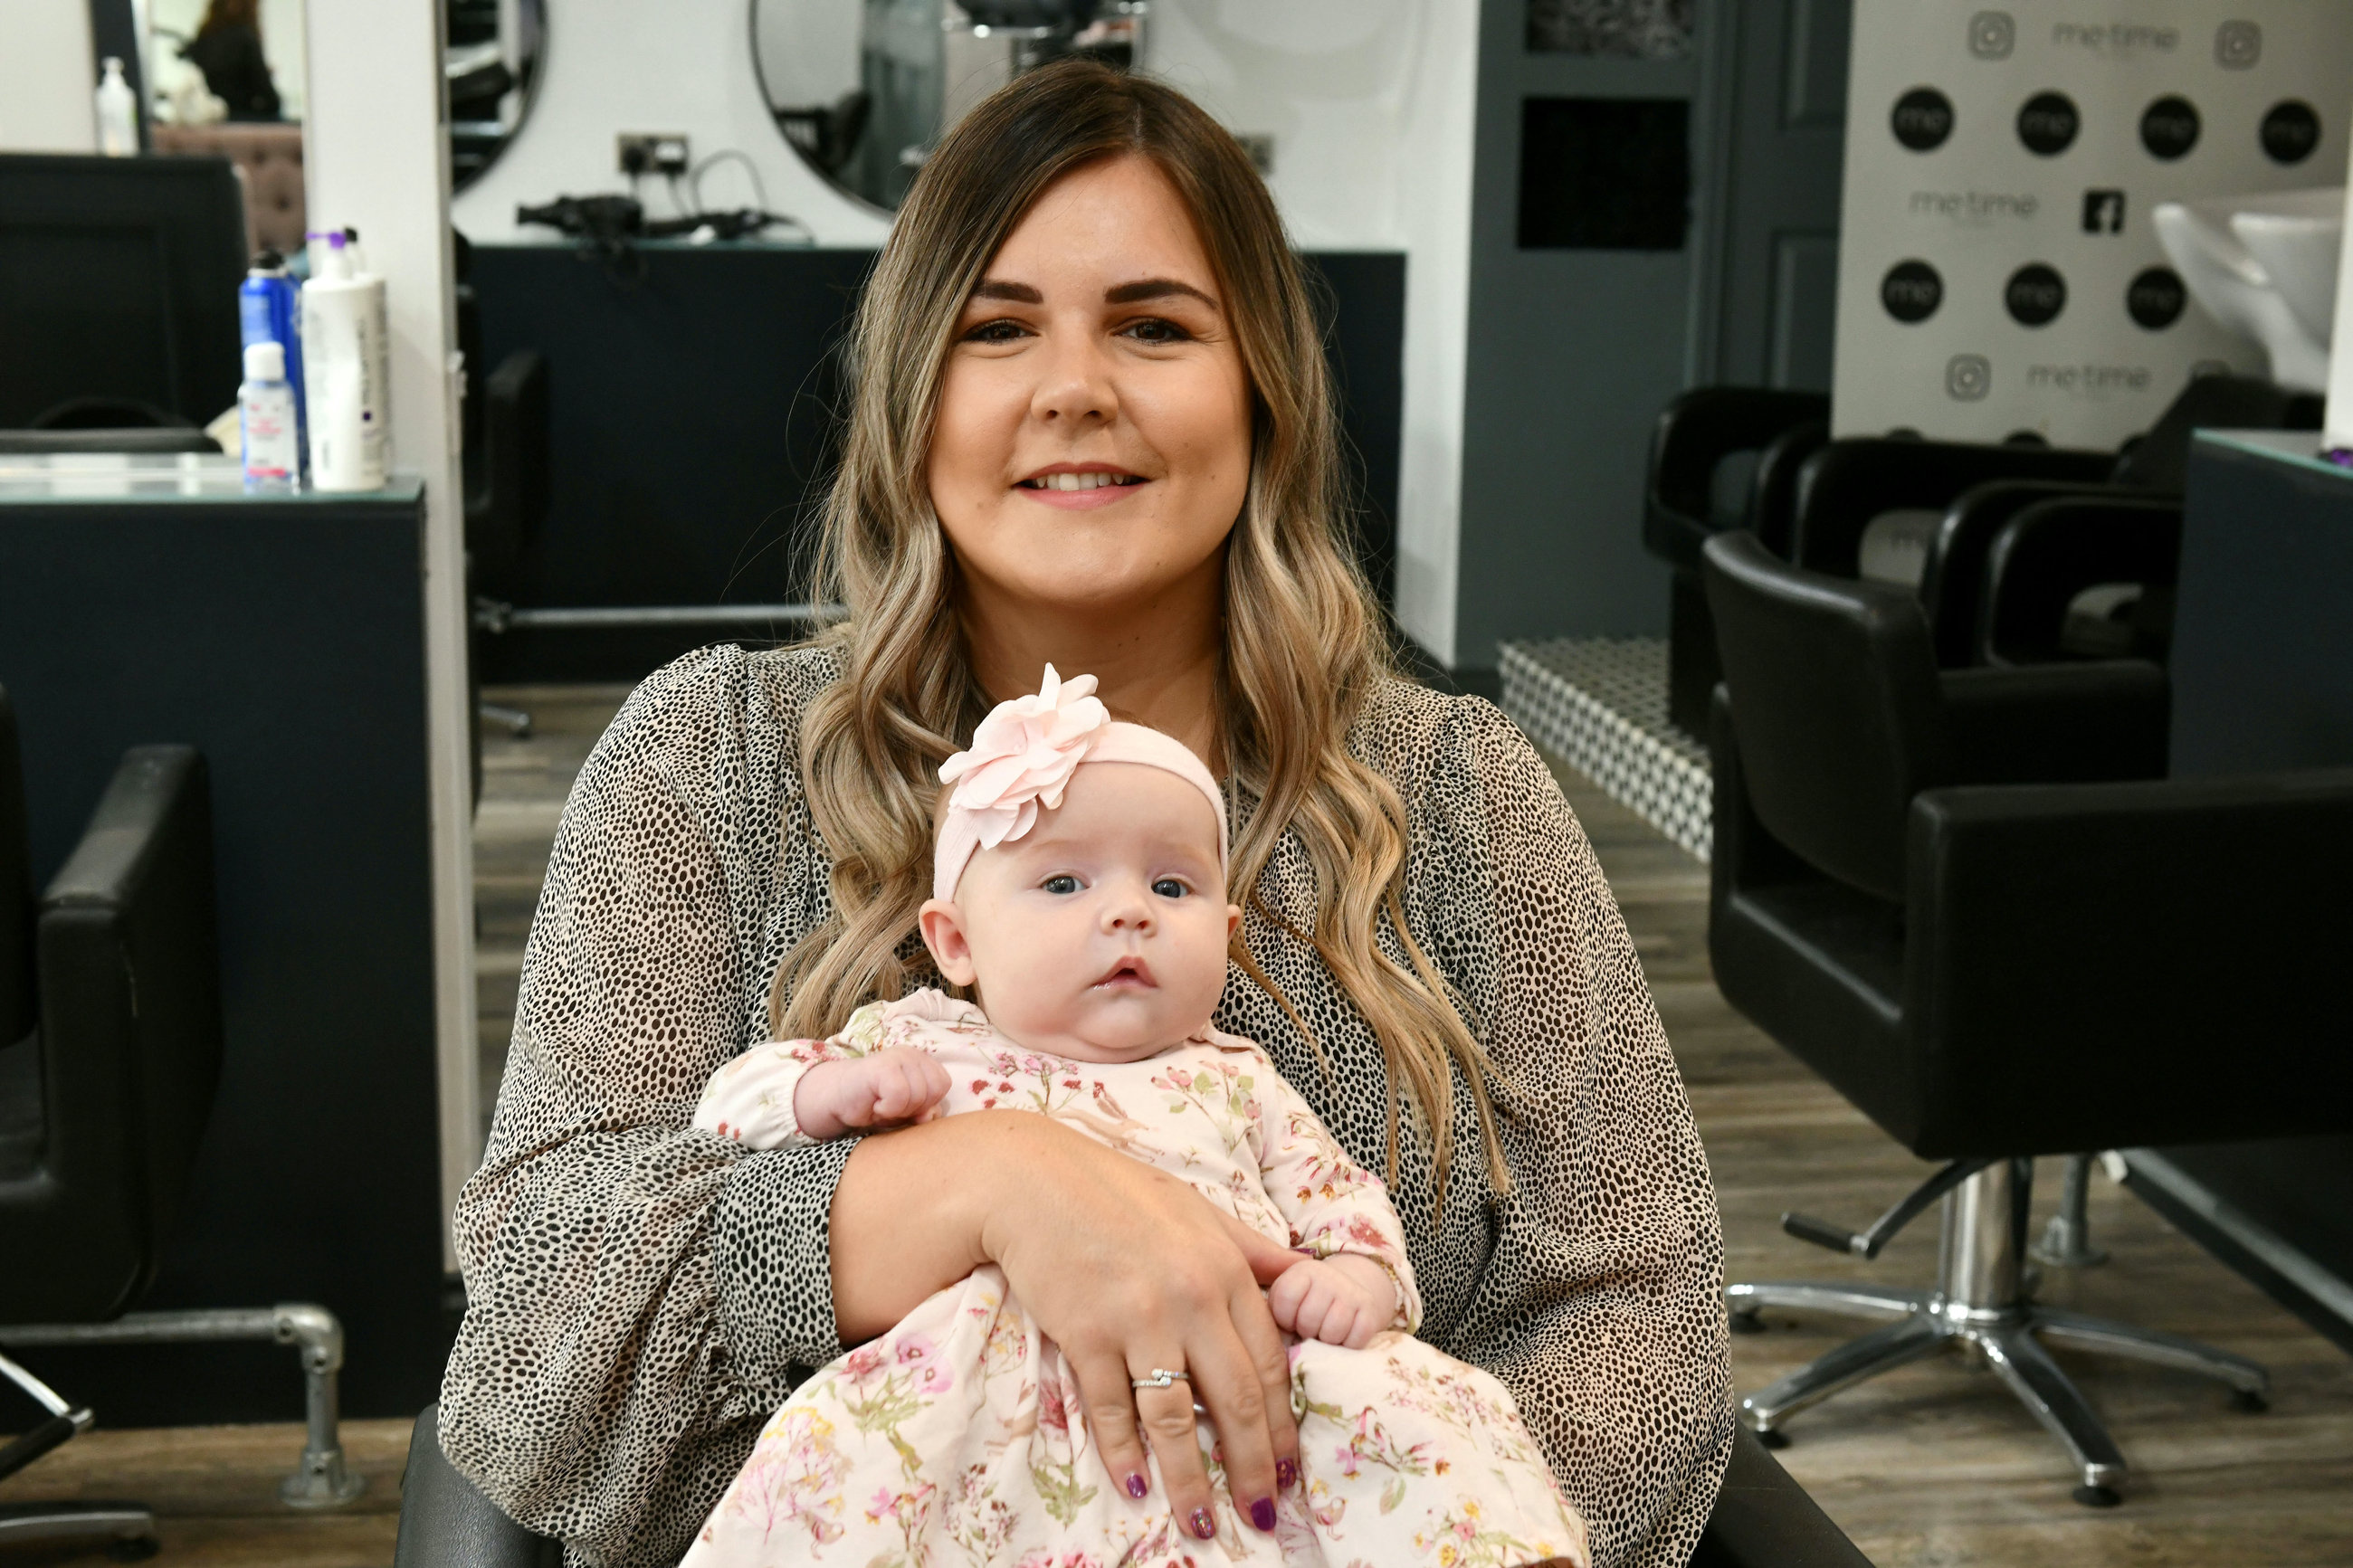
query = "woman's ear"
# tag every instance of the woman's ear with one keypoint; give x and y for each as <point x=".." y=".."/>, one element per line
<point x="943" y="928"/>
<point x="1233" y="920"/>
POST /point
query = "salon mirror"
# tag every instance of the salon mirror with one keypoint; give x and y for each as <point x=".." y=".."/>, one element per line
<point x="863" y="89"/>
<point x="492" y="54"/>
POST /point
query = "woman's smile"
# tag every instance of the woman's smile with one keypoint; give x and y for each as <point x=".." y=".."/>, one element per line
<point x="1079" y="487"/>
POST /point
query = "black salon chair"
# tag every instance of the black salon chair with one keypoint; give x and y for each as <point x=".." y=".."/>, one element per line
<point x="109" y="998"/>
<point x="1721" y="457"/>
<point x="507" y="478"/>
<point x="1762" y="1520"/>
<point x="1968" y="901"/>
<point x="1926" y="514"/>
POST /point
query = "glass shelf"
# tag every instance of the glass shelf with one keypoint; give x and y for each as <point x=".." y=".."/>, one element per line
<point x="2300" y="448"/>
<point x="48" y="476"/>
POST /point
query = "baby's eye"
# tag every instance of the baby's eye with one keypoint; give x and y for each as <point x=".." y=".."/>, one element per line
<point x="1170" y="887"/>
<point x="1061" y="883"/>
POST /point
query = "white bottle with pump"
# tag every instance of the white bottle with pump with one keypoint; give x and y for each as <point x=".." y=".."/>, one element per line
<point x="264" y="405"/>
<point x="345" y="368"/>
<point x="118" y="113"/>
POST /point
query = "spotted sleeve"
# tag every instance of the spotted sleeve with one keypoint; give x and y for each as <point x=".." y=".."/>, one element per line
<point x="638" y="1292"/>
<point x="1599" y="1305"/>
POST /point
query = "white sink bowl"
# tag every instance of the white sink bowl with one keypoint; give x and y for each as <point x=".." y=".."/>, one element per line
<point x="2265" y="266"/>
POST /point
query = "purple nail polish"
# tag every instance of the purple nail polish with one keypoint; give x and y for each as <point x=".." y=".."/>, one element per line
<point x="1136" y="1485"/>
<point x="1203" y="1525"/>
<point x="1262" y="1514"/>
<point x="1286" y="1473"/>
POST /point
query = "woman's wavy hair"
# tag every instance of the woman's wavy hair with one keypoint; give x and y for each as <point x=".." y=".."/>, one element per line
<point x="1304" y="642"/>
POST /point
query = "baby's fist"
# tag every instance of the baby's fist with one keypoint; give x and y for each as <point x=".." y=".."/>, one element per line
<point x="887" y="1088"/>
<point x="1342" y="1299"/>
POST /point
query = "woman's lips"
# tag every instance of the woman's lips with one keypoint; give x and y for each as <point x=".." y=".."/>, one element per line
<point x="1081" y="500"/>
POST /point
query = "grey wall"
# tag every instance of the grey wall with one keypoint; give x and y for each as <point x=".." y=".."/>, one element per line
<point x="1571" y="355"/>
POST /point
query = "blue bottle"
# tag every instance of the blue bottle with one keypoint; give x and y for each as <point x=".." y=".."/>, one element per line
<point x="269" y="311"/>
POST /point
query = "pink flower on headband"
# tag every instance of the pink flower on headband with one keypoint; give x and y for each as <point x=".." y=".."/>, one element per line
<point x="1023" y="755"/>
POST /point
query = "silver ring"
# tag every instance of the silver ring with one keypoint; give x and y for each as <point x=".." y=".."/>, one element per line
<point x="1161" y="1378"/>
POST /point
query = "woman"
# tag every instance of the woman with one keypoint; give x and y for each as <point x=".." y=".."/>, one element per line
<point x="227" y="49"/>
<point x="1091" y="426"/>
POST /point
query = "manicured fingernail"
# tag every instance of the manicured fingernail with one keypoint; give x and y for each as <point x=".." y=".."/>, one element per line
<point x="1263" y="1513"/>
<point x="1286" y="1473"/>
<point x="1203" y="1525"/>
<point x="1136" y="1485"/>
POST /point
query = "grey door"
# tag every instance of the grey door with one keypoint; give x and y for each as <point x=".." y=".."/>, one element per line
<point x="1773" y="119"/>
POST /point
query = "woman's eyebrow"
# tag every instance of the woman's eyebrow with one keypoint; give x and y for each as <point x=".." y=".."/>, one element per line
<point x="1153" y="289"/>
<point x="1020" y="293"/>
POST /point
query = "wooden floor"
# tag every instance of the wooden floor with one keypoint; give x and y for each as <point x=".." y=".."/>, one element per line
<point x="1930" y="1467"/>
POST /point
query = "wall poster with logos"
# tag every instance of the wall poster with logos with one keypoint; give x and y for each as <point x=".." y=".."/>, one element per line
<point x="1998" y="271"/>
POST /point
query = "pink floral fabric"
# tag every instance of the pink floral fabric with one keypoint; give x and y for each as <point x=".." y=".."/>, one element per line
<point x="959" y="1435"/>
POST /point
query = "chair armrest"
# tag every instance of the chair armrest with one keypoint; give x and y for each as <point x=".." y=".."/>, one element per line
<point x="1952" y="584"/>
<point x="2052" y="551"/>
<point x="130" y="1043"/>
<point x="1847" y="483"/>
<point x="1697" y="431"/>
<point x="2058" y="723"/>
<point x="1764" y="1518"/>
<point x="447" y="1522"/>
<point x="2107" y="965"/>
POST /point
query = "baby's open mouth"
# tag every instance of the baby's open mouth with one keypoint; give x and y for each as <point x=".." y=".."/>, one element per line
<point x="1128" y="973"/>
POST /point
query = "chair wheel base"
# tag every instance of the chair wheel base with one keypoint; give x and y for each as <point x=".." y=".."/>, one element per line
<point x="2097" y="1496"/>
<point x="1772" y="1439"/>
<point x="2252" y="1402"/>
<point x="1746" y="1323"/>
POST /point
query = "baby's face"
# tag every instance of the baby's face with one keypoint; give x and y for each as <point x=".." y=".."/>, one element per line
<point x="1100" y="934"/>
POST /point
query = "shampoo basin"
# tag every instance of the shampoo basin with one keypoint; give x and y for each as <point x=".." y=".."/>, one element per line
<point x="2265" y="266"/>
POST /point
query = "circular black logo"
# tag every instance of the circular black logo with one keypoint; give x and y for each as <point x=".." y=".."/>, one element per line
<point x="1922" y="119"/>
<point x="2291" y="131"/>
<point x="2169" y="128"/>
<point x="2155" y="297"/>
<point x="2047" y="123"/>
<point x="2035" y="295"/>
<point x="1911" y="291"/>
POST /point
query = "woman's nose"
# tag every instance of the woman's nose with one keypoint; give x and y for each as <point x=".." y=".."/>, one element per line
<point x="1075" y="390"/>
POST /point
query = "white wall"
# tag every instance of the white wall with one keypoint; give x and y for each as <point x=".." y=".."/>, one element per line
<point x="46" y="78"/>
<point x="682" y="65"/>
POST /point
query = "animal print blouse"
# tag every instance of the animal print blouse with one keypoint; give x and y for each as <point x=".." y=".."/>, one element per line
<point x="641" y="1295"/>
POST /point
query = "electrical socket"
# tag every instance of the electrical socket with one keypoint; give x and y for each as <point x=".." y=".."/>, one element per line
<point x="651" y="151"/>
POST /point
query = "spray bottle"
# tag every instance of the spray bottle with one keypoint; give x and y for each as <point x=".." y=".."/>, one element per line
<point x="346" y="368"/>
<point x="269" y="311"/>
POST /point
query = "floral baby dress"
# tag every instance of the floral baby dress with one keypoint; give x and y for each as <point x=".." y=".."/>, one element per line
<point x="958" y="1438"/>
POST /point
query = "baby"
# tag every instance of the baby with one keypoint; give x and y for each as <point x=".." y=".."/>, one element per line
<point x="1079" y="885"/>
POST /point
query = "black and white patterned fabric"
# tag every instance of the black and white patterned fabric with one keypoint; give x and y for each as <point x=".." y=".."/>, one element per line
<point x="642" y="1295"/>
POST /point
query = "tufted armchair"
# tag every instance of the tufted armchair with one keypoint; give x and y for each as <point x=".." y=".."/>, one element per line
<point x="269" y="161"/>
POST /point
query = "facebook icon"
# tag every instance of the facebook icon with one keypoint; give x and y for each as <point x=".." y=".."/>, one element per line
<point x="2103" y="212"/>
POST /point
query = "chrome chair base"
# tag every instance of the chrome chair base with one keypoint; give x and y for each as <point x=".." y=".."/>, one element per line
<point x="1977" y="1307"/>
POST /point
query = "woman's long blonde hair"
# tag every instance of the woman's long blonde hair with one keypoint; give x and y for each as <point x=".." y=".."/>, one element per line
<point x="1305" y="643"/>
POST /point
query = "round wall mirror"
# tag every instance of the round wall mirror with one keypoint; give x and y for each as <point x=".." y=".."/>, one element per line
<point x="491" y="56"/>
<point x="863" y="89"/>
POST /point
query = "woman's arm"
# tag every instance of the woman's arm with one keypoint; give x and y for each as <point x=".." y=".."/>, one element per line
<point x="1602" y="1306"/>
<point x="639" y="1292"/>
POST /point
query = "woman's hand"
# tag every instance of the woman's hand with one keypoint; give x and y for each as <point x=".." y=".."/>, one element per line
<point x="1126" y="1269"/>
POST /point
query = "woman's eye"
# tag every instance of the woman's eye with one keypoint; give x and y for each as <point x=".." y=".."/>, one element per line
<point x="1157" y="330"/>
<point x="997" y="331"/>
<point x="1170" y="887"/>
<point x="1063" y="884"/>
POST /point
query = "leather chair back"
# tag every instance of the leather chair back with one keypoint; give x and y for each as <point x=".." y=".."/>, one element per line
<point x="268" y="162"/>
<point x="15" y="888"/>
<point x="1835" y="707"/>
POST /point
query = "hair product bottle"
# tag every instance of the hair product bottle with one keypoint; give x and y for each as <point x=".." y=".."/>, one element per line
<point x="270" y="311"/>
<point x="118" y="113"/>
<point x="346" y="368"/>
<point x="265" y="407"/>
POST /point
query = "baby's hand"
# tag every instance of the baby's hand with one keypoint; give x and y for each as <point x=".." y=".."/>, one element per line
<point x="1342" y="1299"/>
<point x="887" y="1088"/>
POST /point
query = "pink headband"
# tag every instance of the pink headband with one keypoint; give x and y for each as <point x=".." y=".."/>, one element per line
<point x="1022" y="757"/>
